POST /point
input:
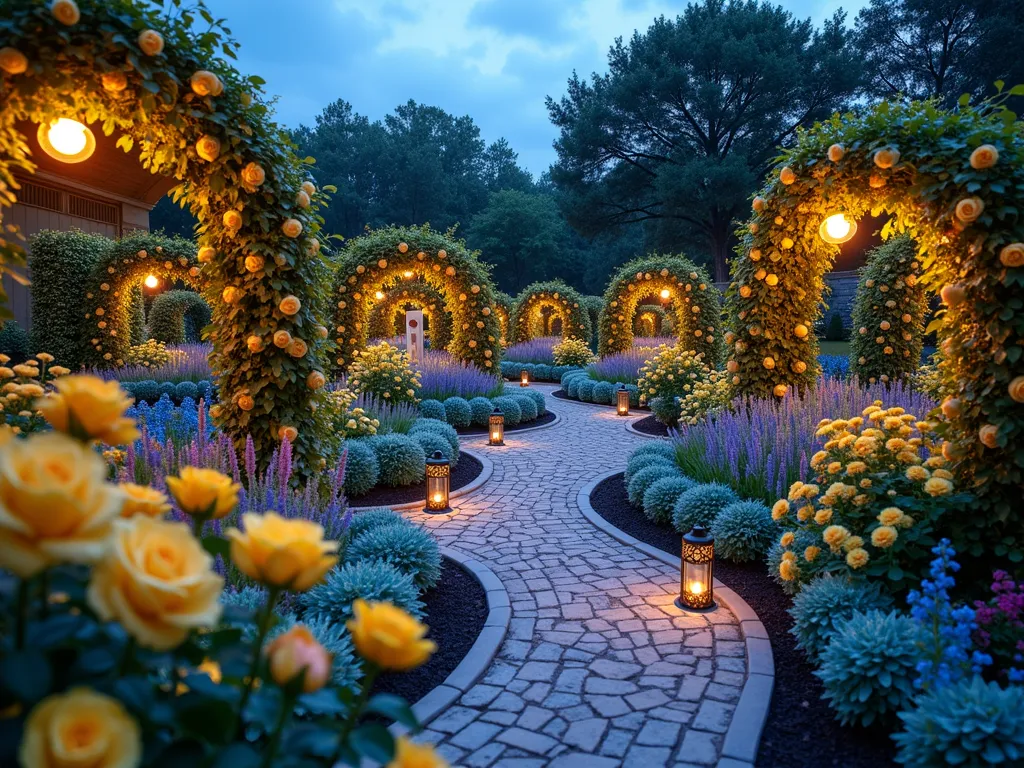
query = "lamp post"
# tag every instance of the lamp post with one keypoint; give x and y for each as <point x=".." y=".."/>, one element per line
<point x="524" y="378"/>
<point x="696" y="571"/>
<point x="622" y="400"/>
<point x="496" y="425"/>
<point x="439" y="471"/>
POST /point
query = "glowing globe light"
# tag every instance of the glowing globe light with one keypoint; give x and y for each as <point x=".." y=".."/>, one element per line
<point x="837" y="229"/>
<point x="407" y="274"/>
<point x="152" y="281"/>
<point x="67" y="140"/>
<point x="665" y="293"/>
<point x="378" y="295"/>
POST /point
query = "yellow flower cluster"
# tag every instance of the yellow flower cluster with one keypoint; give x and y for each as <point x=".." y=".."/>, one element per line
<point x="703" y="396"/>
<point x="150" y="354"/>
<point x="349" y="421"/>
<point x="384" y="372"/>
<point x="23" y="385"/>
<point x="572" y="352"/>
<point x="672" y="372"/>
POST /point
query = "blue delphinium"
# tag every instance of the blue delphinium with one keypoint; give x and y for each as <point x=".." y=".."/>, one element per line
<point x="947" y="654"/>
<point x="834" y="366"/>
<point x="163" y="420"/>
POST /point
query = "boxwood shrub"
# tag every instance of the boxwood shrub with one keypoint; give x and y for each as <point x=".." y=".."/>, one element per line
<point x="825" y="603"/>
<point x="700" y="505"/>
<point x="447" y="431"/>
<point x="369" y="519"/>
<point x="661" y="497"/>
<point x="538" y="400"/>
<point x="645" y="478"/>
<point x="14" y="343"/>
<point x="541" y="372"/>
<point x="481" y="408"/>
<point x="743" y="531"/>
<point x="585" y="389"/>
<point x="433" y="441"/>
<point x="400" y="457"/>
<point x="457" y="412"/>
<point x="372" y="580"/>
<point x="644" y="460"/>
<point x="432" y="409"/>
<point x="508" y="405"/>
<point x="407" y="547"/>
<point x="527" y="407"/>
<point x="362" y="470"/>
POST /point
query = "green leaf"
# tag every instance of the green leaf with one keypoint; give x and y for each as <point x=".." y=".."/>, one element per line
<point x="209" y="719"/>
<point x="374" y="742"/>
<point x="964" y="100"/>
<point x="395" y="708"/>
<point x="217" y="545"/>
<point x="26" y="675"/>
<point x="237" y="756"/>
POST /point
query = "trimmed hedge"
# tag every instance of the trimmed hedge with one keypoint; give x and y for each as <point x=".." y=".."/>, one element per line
<point x="362" y="470"/>
<point x="177" y="317"/>
<point x="457" y="412"/>
<point x="14" y="342"/>
<point x="481" y="408"/>
<point x="432" y="409"/>
<point x="402" y="461"/>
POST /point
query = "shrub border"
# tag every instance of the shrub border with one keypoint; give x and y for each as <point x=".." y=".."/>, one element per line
<point x="479" y="480"/>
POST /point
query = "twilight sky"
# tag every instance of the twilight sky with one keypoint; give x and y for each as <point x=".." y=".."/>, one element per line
<point x="494" y="60"/>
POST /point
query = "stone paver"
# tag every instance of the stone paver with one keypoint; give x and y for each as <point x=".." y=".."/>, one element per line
<point x="599" y="668"/>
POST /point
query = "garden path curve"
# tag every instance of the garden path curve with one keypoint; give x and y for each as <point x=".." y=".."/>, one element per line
<point x="599" y="668"/>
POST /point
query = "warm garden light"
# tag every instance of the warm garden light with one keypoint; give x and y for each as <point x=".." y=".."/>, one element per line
<point x="407" y="274"/>
<point x="439" y="471"/>
<point x="152" y="281"/>
<point x="524" y="378"/>
<point x="696" y="566"/>
<point x="496" y="425"/>
<point x="837" y="229"/>
<point x="67" y="140"/>
<point x="622" y="400"/>
<point x="378" y="295"/>
<point x="665" y="294"/>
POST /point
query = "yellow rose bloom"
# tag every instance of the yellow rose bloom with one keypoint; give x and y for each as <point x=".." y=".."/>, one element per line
<point x="795" y="491"/>
<point x="857" y="558"/>
<point x="788" y="570"/>
<point x="388" y="636"/>
<point x="938" y="486"/>
<point x="834" y="536"/>
<point x="55" y="505"/>
<point x="811" y="553"/>
<point x="282" y="553"/>
<point x="917" y="473"/>
<point x="944" y="474"/>
<point x="80" y="728"/>
<point x="89" y="408"/>
<point x="890" y="515"/>
<point x="780" y="509"/>
<point x="834" y="468"/>
<point x="204" y="493"/>
<point x="884" y="536"/>
<point x="143" y="500"/>
<point x="787" y="538"/>
<point x="157" y="581"/>
<point x="856" y="468"/>
<point x="823" y="516"/>
<point x="804" y="513"/>
<point x="853" y="542"/>
<point x="817" y="459"/>
<point x="408" y="754"/>
<point x="809" y="491"/>
<point x="935" y="461"/>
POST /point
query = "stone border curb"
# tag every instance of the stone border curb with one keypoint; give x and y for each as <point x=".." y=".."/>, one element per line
<point x="632" y="430"/>
<point x="739" y="750"/>
<point x="480" y="655"/>
<point x="513" y="432"/>
<point x="483" y="477"/>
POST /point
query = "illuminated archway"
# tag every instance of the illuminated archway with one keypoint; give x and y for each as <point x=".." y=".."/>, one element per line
<point x="164" y="88"/>
<point x="540" y="304"/>
<point x="381" y="259"/>
<point x="950" y="180"/>
<point x="695" y="302"/>
<point x="178" y="317"/>
<point x="385" y="313"/>
<point x="647" y="321"/>
<point x="503" y="304"/>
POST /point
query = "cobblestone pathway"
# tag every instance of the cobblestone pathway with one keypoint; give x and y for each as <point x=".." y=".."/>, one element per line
<point x="599" y="668"/>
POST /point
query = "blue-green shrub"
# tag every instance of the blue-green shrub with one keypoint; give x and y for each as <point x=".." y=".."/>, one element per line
<point x="644" y="479"/>
<point x="661" y="497"/>
<point x="369" y="519"/>
<point x="334" y="637"/>
<point x="407" y="547"/>
<point x="659" y="447"/>
<point x="971" y="723"/>
<point x="585" y="390"/>
<point x="604" y="393"/>
<point x="665" y="410"/>
<point x="869" y="665"/>
<point x="803" y="540"/>
<point x="566" y="374"/>
<point x="558" y="371"/>
<point x="644" y="460"/>
<point x="432" y="442"/>
<point x="527" y="407"/>
<point x="541" y="372"/>
<point x="147" y="391"/>
<point x="166" y="388"/>
<point x="743" y="531"/>
<point x="572" y="385"/>
<point x="447" y="431"/>
<point x="700" y="506"/>
<point x="432" y="409"/>
<point x="400" y="458"/>
<point x="825" y="603"/>
<point x="513" y="415"/>
<point x="538" y="400"/>
<point x="185" y="389"/>
<point x="362" y="470"/>
<point x="457" y="412"/>
<point x="481" y="408"/>
<point x="372" y="580"/>
<point x="634" y="395"/>
<point x="205" y="389"/>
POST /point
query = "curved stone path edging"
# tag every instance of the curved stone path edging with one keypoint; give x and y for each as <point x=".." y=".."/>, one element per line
<point x="599" y="669"/>
<point x="744" y="734"/>
<point x="633" y="430"/>
<point x="483" y="651"/>
<point x="485" y="475"/>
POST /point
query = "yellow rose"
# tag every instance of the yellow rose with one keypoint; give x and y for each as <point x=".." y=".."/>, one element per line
<point x="254" y="263"/>
<point x="780" y="509"/>
<point x="322" y="332"/>
<point x="969" y="209"/>
<point x="388" y="636"/>
<point x="302" y="199"/>
<point x="231" y="294"/>
<point x="818" y="458"/>
<point x="834" y="536"/>
<point x="886" y="157"/>
<point x="157" y="581"/>
<point x="88" y="408"/>
<point x="232" y="220"/>
<point x="1012" y="255"/>
<point x="203" y="493"/>
<point x="282" y="339"/>
<point x="989" y="435"/>
<point x="836" y="152"/>
<point x="151" y="42"/>
<point x="984" y="157"/>
<point x="938" y="486"/>
<point x="788" y="570"/>
<point x="857" y="558"/>
<point x="65" y="11"/>
<point x="297" y="652"/>
<point x="787" y="538"/>
<point x="54" y="504"/>
<point x="884" y="536"/>
<point x="856" y="468"/>
<point x="787" y="176"/>
<point x="115" y="81"/>
<point x="292" y="227"/>
<point x="309" y="188"/>
<point x="246" y="403"/>
<point x="206" y="254"/>
<point x="279" y="552"/>
<point x="12" y="61"/>
<point x="80" y="728"/>
<point x="890" y="516"/>
<point x="408" y="754"/>
<point x="290" y="305"/>
<point x="287" y="433"/>
<point x="811" y="553"/>
<point x="315" y="380"/>
<point x="1015" y="389"/>
<point x="805" y="513"/>
<point x="254" y="343"/>
<point x="253" y="174"/>
<point x="298" y="348"/>
<point x="206" y="83"/>
<point x="823" y="516"/>
<point x="143" y="500"/>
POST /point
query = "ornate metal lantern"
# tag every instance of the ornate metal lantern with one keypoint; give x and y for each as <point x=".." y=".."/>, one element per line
<point x="496" y="424"/>
<point x="696" y="571"/>
<point x="622" y="400"/>
<point x="439" y="472"/>
<point x="524" y="378"/>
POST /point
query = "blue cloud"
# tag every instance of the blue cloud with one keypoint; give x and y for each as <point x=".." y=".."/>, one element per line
<point x="535" y="19"/>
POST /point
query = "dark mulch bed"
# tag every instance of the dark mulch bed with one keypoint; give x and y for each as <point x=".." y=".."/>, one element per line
<point x="540" y="421"/>
<point x="456" y="612"/>
<point x="383" y="496"/>
<point x="651" y="426"/>
<point x="800" y="730"/>
<point x="561" y="394"/>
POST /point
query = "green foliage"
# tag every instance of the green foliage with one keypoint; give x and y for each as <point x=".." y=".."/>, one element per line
<point x="400" y="458"/>
<point x="700" y="506"/>
<point x="538" y="400"/>
<point x="644" y="460"/>
<point x="14" y="342"/>
<point x="539" y="304"/>
<point x="447" y="431"/>
<point x="432" y="409"/>
<point x="585" y="389"/>
<point x="369" y="519"/>
<point x="656" y="447"/>
<point x="665" y="409"/>
<point x="677" y="372"/>
<point x="572" y="384"/>
<point x="371" y="580"/>
<point x="604" y="393"/>
<point x="61" y="263"/>
<point x="432" y="442"/>
<point x="660" y="498"/>
<point x="834" y="329"/>
<point x="387" y="316"/>
<point x="527" y="407"/>
<point x="644" y="478"/>
<point x="457" y="412"/>
<point x="972" y="723"/>
<point x="409" y="548"/>
<point x="869" y="665"/>
<point x="824" y="604"/>
<point x="168" y="313"/>
<point x="695" y="303"/>
<point x="385" y="374"/>
<point x="509" y="407"/>
<point x="138" y="316"/>
<point x="481" y="408"/>
<point x="574" y="352"/>
<point x="888" y="314"/>
<point x="802" y="540"/>
<point x="362" y="470"/>
<point x="149" y="354"/>
<point x="743" y="531"/>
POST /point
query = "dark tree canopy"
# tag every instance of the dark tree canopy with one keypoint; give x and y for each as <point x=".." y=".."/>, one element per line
<point x="689" y="117"/>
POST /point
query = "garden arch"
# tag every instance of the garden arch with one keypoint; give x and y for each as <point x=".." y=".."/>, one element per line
<point x="384" y="258"/>
<point x="178" y="317"/>
<point x="385" y="313"/>
<point x="164" y="87"/>
<point x="503" y="304"/>
<point x="647" y="322"/>
<point x="695" y="302"/>
<point x="555" y="297"/>
<point x="954" y="181"/>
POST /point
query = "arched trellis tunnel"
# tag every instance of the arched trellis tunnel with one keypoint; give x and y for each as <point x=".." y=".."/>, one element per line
<point x="159" y="84"/>
<point x="954" y="181"/>
<point x="648" y="320"/>
<point x="386" y="312"/>
<point x="542" y="306"/>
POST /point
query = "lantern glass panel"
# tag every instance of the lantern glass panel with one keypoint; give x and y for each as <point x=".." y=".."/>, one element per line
<point x="496" y="423"/>
<point x="622" y="401"/>
<point x="438" y="479"/>
<point x="696" y="586"/>
<point x="524" y="378"/>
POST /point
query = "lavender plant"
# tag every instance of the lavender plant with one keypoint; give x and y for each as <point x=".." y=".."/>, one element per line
<point x="188" y="362"/>
<point x="538" y="350"/>
<point x="443" y="376"/>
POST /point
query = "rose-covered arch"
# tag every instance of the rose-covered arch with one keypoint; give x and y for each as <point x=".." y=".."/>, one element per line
<point x="384" y="313"/>
<point x="503" y="305"/>
<point x="680" y="283"/>
<point x="648" y="320"/>
<point x="122" y="270"/>
<point x="564" y="304"/>
<point x="164" y="88"/>
<point x="954" y="181"/>
<point x="384" y="258"/>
